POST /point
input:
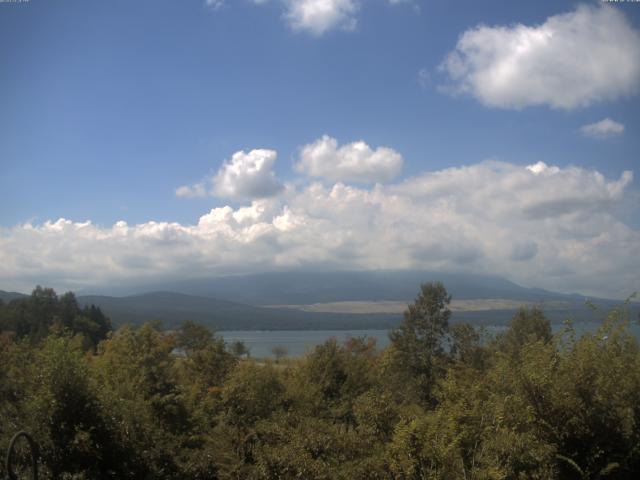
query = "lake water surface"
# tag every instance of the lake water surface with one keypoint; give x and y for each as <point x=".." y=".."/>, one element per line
<point x="299" y="342"/>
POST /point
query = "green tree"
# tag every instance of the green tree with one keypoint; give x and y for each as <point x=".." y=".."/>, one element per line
<point x="466" y="346"/>
<point x="36" y="316"/>
<point x="205" y="367"/>
<point x="192" y="336"/>
<point x="99" y="324"/>
<point x="527" y="325"/>
<point x="62" y="410"/>
<point x="279" y="352"/>
<point x="330" y="379"/>
<point x="418" y="341"/>
<point x="239" y="349"/>
<point x="251" y="394"/>
<point x="139" y="389"/>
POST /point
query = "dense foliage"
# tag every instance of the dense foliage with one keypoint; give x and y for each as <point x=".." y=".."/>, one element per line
<point x="44" y="312"/>
<point x="441" y="402"/>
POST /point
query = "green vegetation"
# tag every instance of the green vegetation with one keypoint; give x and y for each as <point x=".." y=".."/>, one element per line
<point x="440" y="402"/>
<point x="44" y="312"/>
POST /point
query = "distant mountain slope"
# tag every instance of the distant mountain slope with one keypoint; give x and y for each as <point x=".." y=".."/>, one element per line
<point x="239" y="302"/>
<point x="174" y="308"/>
<point x="8" y="296"/>
<point x="302" y="288"/>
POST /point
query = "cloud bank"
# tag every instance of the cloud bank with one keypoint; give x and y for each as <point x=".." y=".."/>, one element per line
<point x="572" y="60"/>
<point x="541" y="225"/>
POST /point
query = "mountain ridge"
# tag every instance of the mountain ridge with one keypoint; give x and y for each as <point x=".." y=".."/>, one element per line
<point x="296" y="287"/>
<point x="280" y="301"/>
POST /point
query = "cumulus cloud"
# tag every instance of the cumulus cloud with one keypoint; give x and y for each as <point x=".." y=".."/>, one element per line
<point x="245" y="176"/>
<point x="319" y="16"/>
<point x="248" y="175"/>
<point x="603" y="129"/>
<point x="354" y="162"/>
<point x="547" y="226"/>
<point x="572" y="60"/>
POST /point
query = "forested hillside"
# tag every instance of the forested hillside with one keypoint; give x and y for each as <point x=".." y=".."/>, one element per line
<point x="174" y="308"/>
<point x="442" y="402"/>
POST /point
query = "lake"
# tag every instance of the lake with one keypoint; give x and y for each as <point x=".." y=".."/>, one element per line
<point x="299" y="342"/>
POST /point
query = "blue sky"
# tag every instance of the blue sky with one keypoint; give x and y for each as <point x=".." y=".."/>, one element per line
<point x="109" y="107"/>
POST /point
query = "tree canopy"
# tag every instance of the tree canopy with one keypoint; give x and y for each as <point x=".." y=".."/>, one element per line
<point x="441" y="402"/>
<point x="34" y="317"/>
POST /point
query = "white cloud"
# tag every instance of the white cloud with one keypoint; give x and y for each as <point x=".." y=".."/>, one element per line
<point x="215" y="4"/>
<point x="505" y="192"/>
<point x="246" y="176"/>
<point x="546" y="226"/>
<point x="319" y="16"/>
<point x="603" y="129"/>
<point x="354" y="162"/>
<point x="542" y="168"/>
<point x="572" y="60"/>
<point x="192" y="191"/>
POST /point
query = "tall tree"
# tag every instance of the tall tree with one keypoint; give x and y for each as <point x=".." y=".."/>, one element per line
<point x="527" y="325"/>
<point x="418" y="341"/>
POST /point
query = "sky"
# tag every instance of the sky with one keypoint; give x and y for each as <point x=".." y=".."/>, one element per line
<point x="173" y="139"/>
